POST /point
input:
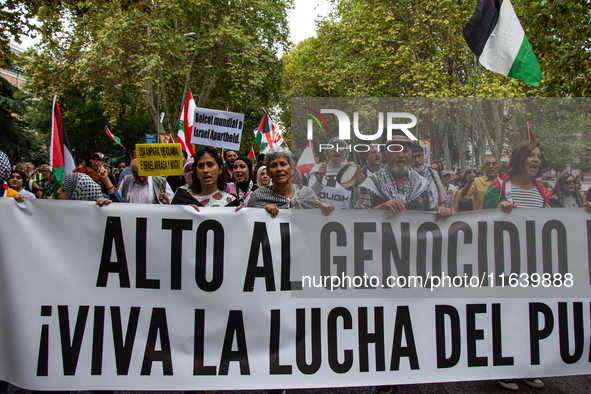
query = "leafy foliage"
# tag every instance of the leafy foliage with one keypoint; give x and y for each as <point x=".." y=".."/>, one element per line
<point x="133" y="56"/>
<point x="377" y="48"/>
<point x="16" y="140"/>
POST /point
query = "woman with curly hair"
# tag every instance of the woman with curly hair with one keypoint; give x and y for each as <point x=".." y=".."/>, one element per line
<point x="565" y="191"/>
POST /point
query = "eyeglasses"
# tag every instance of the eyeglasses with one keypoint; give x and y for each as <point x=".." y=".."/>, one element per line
<point x="569" y="182"/>
<point x="490" y="164"/>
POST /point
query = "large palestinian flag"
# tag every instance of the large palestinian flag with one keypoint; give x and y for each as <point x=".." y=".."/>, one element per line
<point x="185" y="129"/>
<point x="497" y="39"/>
<point x="60" y="154"/>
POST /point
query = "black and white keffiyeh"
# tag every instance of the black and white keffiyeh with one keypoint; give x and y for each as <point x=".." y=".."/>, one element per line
<point x="382" y="184"/>
<point x="5" y="168"/>
<point x="303" y="198"/>
<point x="242" y="194"/>
<point x="427" y="174"/>
<point x="81" y="187"/>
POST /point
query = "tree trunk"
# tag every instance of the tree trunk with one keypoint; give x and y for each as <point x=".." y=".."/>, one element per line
<point x="149" y="103"/>
<point x="206" y="90"/>
<point x="461" y="131"/>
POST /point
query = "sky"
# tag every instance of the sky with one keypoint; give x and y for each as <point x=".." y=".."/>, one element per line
<point x="301" y="20"/>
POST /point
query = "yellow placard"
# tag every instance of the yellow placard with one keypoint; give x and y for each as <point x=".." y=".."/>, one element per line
<point x="159" y="159"/>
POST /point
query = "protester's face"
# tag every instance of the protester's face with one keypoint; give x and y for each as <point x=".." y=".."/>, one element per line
<point x="260" y="163"/>
<point x="374" y="157"/>
<point x="435" y="166"/>
<point x="208" y="171"/>
<point x="446" y="179"/>
<point x="398" y="162"/>
<point x="189" y="175"/>
<point x="418" y="162"/>
<point x="15" y="182"/>
<point x="140" y="180"/>
<point x="121" y="167"/>
<point x="569" y="185"/>
<point x="230" y="157"/>
<point x="30" y="169"/>
<point x="241" y="171"/>
<point x="337" y="153"/>
<point x="45" y="172"/>
<point x="265" y="179"/>
<point x="491" y="167"/>
<point x="132" y="155"/>
<point x="96" y="163"/>
<point x="61" y="193"/>
<point x="280" y="170"/>
<point x="532" y="162"/>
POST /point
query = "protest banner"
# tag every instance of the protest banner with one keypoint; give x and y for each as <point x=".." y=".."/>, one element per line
<point x="221" y="129"/>
<point x="136" y="297"/>
<point x="151" y="138"/>
<point x="159" y="159"/>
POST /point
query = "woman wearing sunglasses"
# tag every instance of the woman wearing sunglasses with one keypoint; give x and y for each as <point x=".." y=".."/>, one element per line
<point x="566" y="192"/>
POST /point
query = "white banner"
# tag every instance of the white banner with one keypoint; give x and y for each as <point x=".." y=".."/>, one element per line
<point x="221" y="129"/>
<point x="138" y="297"/>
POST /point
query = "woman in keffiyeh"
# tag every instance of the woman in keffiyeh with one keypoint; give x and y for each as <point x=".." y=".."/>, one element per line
<point x="243" y="187"/>
<point x="283" y="194"/>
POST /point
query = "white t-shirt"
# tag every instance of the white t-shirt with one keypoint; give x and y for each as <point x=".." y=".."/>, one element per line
<point x="216" y="199"/>
<point x="570" y="202"/>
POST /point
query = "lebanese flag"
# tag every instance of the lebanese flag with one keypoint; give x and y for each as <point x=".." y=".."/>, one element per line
<point x="307" y="159"/>
<point x="497" y="39"/>
<point x="186" y="125"/>
<point x="60" y="154"/>
<point x="115" y="139"/>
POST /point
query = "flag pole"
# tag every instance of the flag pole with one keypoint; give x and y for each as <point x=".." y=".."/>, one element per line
<point x="474" y="112"/>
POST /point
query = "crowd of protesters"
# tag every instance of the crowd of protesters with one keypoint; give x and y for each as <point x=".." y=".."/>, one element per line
<point x="387" y="180"/>
<point x="391" y="179"/>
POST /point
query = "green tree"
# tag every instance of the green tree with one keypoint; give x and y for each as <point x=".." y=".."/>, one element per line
<point x="409" y="48"/>
<point x="136" y="55"/>
<point x="16" y="139"/>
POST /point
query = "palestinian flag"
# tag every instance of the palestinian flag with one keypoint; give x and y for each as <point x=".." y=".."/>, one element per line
<point x="265" y="136"/>
<point x="60" y="154"/>
<point x="116" y="140"/>
<point x="185" y="129"/>
<point x="251" y="155"/>
<point x="497" y="39"/>
<point x="500" y="190"/>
